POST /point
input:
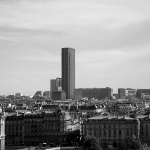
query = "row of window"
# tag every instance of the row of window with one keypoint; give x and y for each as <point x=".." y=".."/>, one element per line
<point x="104" y="136"/>
<point x="114" y="133"/>
<point x="14" y="128"/>
<point x="114" y="120"/>
<point x="110" y="126"/>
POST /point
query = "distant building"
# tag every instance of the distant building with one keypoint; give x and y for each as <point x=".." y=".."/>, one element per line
<point x="97" y="93"/>
<point x="68" y="72"/>
<point x="115" y="96"/>
<point x="50" y="107"/>
<point x="59" y="95"/>
<point x="18" y="95"/>
<point x="55" y="85"/>
<point x="145" y="96"/>
<point x="140" y="91"/>
<point x="11" y="97"/>
<point x="2" y="97"/>
<point x="142" y="106"/>
<point x="46" y="94"/>
<point x="125" y="93"/>
<point x="37" y="95"/>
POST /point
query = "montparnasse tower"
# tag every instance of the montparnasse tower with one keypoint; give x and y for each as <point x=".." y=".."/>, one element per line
<point x="2" y="129"/>
<point x="68" y="71"/>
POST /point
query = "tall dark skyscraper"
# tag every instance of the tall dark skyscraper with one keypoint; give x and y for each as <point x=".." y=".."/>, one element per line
<point x="68" y="72"/>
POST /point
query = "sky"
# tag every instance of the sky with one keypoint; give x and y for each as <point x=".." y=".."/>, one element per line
<point x="111" y="40"/>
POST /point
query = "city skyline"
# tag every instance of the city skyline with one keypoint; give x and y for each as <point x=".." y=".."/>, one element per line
<point x="111" y="38"/>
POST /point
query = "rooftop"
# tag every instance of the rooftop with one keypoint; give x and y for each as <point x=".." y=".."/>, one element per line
<point x="110" y="117"/>
<point x="32" y="113"/>
<point x="10" y="114"/>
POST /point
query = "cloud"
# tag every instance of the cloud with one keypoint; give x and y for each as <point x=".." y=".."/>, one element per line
<point x="111" y="38"/>
<point x="99" y="25"/>
<point x="8" y="39"/>
<point x="18" y="32"/>
<point x="110" y="63"/>
<point x="66" y="14"/>
<point x="39" y="58"/>
<point x="38" y="55"/>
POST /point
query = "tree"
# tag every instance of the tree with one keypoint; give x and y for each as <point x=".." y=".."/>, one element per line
<point x="90" y="143"/>
<point x="133" y="143"/>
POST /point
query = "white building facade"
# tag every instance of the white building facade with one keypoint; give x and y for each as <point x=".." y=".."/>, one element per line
<point x="2" y="130"/>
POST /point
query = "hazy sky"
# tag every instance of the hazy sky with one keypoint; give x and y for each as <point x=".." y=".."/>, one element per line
<point x="111" y="39"/>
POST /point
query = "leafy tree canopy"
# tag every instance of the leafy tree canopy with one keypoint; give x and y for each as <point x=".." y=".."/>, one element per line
<point x="133" y="143"/>
<point x="90" y="143"/>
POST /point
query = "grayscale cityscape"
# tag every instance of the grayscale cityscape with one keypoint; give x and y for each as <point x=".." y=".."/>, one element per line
<point x="93" y="93"/>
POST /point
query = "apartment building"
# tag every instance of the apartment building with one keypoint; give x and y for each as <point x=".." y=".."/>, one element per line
<point x="51" y="127"/>
<point x="33" y="128"/>
<point x="144" y="129"/>
<point x="14" y="129"/>
<point x="110" y="130"/>
<point x="2" y="130"/>
<point x="55" y="126"/>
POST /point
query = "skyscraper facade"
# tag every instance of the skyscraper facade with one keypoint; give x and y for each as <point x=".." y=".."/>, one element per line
<point x="68" y="72"/>
<point x="55" y="85"/>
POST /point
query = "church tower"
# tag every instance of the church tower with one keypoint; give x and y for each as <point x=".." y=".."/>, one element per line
<point x="2" y="129"/>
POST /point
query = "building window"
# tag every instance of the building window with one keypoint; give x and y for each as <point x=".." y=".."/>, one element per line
<point x="120" y="132"/>
<point x="104" y="131"/>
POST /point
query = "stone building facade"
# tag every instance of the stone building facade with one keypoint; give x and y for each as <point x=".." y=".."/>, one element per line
<point x="2" y="130"/>
<point x="145" y="129"/>
<point x="110" y="130"/>
<point x="51" y="127"/>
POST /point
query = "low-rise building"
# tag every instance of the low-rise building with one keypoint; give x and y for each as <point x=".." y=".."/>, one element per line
<point x="142" y="105"/>
<point x="97" y="93"/>
<point x="18" y="95"/>
<point x="145" y="96"/>
<point x="140" y="91"/>
<point x="126" y="93"/>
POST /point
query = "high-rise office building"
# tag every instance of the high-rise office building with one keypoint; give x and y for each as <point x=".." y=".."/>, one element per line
<point x="55" y="85"/>
<point x="68" y="72"/>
